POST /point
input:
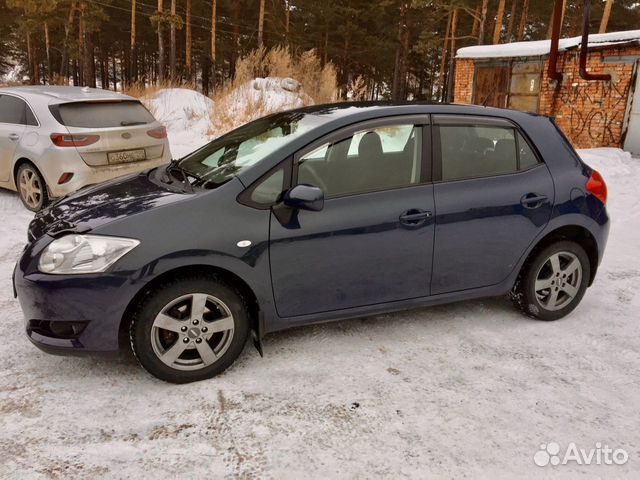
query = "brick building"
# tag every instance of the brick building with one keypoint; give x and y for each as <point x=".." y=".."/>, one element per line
<point x="592" y="113"/>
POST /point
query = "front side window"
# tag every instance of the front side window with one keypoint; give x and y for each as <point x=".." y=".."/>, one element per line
<point x="482" y="150"/>
<point x="374" y="159"/>
<point x="12" y="110"/>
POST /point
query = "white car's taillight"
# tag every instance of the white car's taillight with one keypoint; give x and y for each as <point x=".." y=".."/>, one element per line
<point x="67" y="140"/>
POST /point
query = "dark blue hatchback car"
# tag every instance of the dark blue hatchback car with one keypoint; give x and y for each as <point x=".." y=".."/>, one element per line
<point x="310" y="215"/>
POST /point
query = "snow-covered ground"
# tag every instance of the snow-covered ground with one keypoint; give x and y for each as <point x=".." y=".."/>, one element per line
<point x="465" y="390"/>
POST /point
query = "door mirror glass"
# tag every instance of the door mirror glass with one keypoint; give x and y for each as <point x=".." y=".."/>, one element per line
<point x="305" y="197"/>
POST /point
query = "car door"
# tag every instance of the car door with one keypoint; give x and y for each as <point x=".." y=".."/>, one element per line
<point x="372" y="242"/>
<point x="12" y="126"/>
<point x="493" y="196"/>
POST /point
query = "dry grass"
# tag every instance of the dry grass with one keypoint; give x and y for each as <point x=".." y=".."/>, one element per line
<point x="237" y="102"/>
<point x="142" y="90"/>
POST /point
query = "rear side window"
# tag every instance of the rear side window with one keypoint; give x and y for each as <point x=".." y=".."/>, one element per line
<point x="101" y="114"/>
<point x="482" y="150"/>
<point x="12" y="110"/>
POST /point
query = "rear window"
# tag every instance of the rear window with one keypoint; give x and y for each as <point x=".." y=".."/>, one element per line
<point x="101" y="114"/>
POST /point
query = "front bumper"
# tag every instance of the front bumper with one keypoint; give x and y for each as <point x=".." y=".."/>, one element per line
<point x="97" y="303"/>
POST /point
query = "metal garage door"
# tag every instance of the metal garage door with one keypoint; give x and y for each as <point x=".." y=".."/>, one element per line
<point x="632" y="139"/>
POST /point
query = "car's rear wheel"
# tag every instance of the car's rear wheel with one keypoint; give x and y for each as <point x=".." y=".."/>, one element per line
<point x="553" y="282"/>
<point x="31" y="187"/>
<point x="189" y="329"/>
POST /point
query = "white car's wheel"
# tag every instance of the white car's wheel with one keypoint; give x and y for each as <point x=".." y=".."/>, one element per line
<point x="31" y="187"/>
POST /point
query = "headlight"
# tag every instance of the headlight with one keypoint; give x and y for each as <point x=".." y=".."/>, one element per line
<point x="75" y="254"/>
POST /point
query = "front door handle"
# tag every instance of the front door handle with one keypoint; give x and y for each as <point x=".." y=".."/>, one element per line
<point x="533" y="200"/>
<point x="14" y="136"/>
<point x="415" y="217"/>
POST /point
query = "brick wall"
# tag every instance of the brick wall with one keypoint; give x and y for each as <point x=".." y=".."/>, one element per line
<point x="463" y="85"/>
<point x="590" y="113"/>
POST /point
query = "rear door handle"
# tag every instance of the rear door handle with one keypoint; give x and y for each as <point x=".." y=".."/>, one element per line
<point x="532" y="200"/>
<point x="415" y="217"/>
<point x="14" y="136"/>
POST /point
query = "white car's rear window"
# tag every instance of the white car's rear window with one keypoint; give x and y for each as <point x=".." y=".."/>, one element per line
<point x="102" y="114"/>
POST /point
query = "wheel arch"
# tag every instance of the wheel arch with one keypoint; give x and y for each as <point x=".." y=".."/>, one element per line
<point x="576" y="233"/>
<point x="190" y="270"/>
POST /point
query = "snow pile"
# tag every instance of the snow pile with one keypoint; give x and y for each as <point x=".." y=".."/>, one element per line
<point x="257" y="98"/>
<point x="543" y="47"/>
<point x="193" y="119"/>
<point x="186" y="114"/>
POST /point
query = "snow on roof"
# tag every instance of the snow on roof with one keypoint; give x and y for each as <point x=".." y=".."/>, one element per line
<point x="59" y="93"/>
<point x="542" y="47"/>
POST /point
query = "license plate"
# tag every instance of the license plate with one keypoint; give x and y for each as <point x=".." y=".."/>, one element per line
<point x="127" y="156"/>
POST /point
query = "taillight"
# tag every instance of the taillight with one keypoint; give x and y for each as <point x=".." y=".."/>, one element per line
<point x="67" y="140"/>
<point x="159" y="132"/>
<point x="597" y="187"/>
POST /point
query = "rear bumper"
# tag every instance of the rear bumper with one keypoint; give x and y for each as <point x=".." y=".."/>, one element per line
<point x="84" y="175"/>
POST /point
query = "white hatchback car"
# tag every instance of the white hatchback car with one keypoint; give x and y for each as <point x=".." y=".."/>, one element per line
<point x="55" y="140"/>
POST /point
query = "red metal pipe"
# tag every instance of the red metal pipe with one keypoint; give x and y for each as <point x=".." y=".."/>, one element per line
<point x="555" y="39"/>
<point x="584" y="47"/>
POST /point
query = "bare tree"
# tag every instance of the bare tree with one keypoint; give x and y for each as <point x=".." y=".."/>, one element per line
<point x="511" y="22"/>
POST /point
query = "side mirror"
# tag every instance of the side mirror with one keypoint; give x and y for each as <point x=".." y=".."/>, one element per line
<point x="305" y="197"/>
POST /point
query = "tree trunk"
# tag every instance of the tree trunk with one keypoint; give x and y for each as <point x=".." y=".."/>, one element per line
<point x="443" y="62"/>
<point x="454" y="28"/>
<point x="287" y="19"/>
<point x="81" y="47"/>
<point x="172" y="48"/>
<point x="498" y="27"/>
<point x="160" y="45"/>
<point x="511" y="23"/>
<point x="605" y="16"/>
<point x="550" y="29"/>
<point x="132" y="53"/>
<point x="214" y="21"/>
<point x="476" y="22"/>
<point x="396" y="91"/>
<point x="47" y="48"/>
<point x="64" y="61"/>
<point x="30" y="59"/>
<point x="523" y="21"/>
<point x="483" y="21"/>
<point x="261" y="25"/>
<point x="188" y="44"/>
<point x="235" y="48"/>
<point x="89" y="61"/>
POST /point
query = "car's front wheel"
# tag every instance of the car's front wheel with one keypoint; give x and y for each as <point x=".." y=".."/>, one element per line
<point x="31" y="187"/>
<point x="553" y="281"/>
<point x="189" y="329"/>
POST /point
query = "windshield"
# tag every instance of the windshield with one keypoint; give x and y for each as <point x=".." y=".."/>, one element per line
<point x="102" y="114"/>
<point x="227" y="156"/>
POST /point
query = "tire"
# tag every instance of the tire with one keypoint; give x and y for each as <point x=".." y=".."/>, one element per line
<point x="189" y="329"/>
<point x="31" y="187"/>
<point x="553" y="281"/>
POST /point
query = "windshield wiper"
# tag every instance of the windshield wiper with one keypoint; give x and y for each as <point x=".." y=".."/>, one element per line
<point x="174" y="166"/>
<point x="130" y="124"/>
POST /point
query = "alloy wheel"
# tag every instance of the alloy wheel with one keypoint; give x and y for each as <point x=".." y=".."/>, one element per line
<point x="558" y="280"/>
<point x="192" y="332"/>
<point x="30" y="188"/>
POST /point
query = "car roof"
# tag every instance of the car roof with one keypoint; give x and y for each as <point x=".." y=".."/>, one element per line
<point x="64" y="94"/>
